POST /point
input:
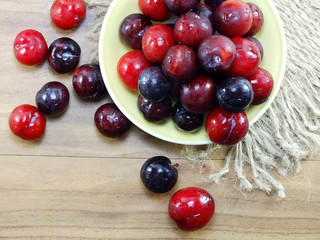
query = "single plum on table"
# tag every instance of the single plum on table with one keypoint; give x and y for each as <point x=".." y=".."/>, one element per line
<point x="30" y="47"/>
<point x="110" y="121"/>
<point x="64" y="55"/>
<point x="158" y="174"/>
<point x="88" y="83"/>
<point x="53" y="98"/>
<point x="191" y="208"/>
<point x="27" y="122"/>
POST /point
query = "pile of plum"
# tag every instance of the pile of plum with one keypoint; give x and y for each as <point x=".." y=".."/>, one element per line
<point x="63" y="55"/>
<point x="196" y="62"/>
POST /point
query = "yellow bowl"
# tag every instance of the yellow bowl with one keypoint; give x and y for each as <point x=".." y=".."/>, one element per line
<point x="111" y="48"/>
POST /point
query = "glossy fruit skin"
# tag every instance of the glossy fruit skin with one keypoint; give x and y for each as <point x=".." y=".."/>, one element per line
<point x="191" y="29"/>
<point x="233" y="18"/>
<point x="234" y="94"/>
<point x="226" y="128"/>
<point x="204" y="10"/>
<point x="156" y="112"/>
<point x="64" y="55"/>
<point x="180" y="63"/>
<point x="178" y="7"/>
<point x="129" y="67"/>
<point x="257" y="21"/>
<point x="247" y="59"/>
<point x="153" y="84"/>
<point x="30" y="47"/>
<point x="67" y="14"/>
<point x="53" y="98"/>
<point x="198" y="95"/>
<point x="158" y="175"/>
<point x="216" y="53"/>
<point x="185" y="120"/>
<point x="155" y="9"/>
<point x="257" y="43"/>
<point x="192" y="208"/>
<point x="88" y="83"/>
<point x="110" y="121"/>
<point x="262" y="84"/>
<point x="213" y="3"/>
<point x="27" y="122"/>
<point x="156" y="41"/>
<point x="132" y="28"/>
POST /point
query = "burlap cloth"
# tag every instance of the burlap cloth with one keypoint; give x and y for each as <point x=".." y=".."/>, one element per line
<point x="290" y="129"/>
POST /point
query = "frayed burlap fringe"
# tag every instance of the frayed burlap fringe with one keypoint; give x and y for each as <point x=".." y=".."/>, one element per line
<point x="290" y="130"/>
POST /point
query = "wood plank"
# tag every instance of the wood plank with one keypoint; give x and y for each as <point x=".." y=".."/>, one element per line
<point x="103" y="198"/>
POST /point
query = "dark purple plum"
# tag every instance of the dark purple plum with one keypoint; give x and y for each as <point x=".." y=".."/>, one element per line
<point x="132" y="29"/>
<point x="153" y="84"/>
<point x="198" y="95"/>
<point x="185" y="120"/>
<point x="110" y="121"/>
<point x="234" y="94"/>
<point x="216" y="53"/>
<point x="53" y="98"/>
<point x="158" y="175"/>
<point x="64" y="55"/>
<point x="213" y="3"/>
<point x="88" y="83"/>
<point x="156" y="112"/>
<point x="180" y="63"/>
<point x="177" y="7"/>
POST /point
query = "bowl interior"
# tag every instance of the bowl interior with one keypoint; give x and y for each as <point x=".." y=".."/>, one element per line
<point x="111" y="49"/>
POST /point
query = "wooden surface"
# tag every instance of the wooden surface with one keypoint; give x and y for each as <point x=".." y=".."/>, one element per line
<point x="76" y="184"/>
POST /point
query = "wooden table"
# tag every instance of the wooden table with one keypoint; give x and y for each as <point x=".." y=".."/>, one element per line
<point x="76" y="184"/>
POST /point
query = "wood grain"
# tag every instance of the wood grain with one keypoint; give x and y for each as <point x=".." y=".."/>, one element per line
<point x="76" y="184"/>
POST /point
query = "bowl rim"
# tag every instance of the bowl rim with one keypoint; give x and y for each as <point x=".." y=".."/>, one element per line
<point x="142" y="127"/>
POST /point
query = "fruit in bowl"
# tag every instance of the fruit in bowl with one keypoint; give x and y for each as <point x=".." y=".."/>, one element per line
<point x="175" y="56"/>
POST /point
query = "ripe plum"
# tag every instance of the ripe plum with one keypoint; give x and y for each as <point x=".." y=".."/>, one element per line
<point x="155" y="9"/>
<point x="180" y="63"/>
<point x="156" y="41"/>
<point x="185" y="120"/>
<point x="132" y="29"/>
<point x="64" y="55"/>
<point x="234" y="94"/>
<point x="226" y="128"/>
<point x="88" y="83"/>
<point x="156" y="112"/>
<point x="53" y="98"/>
<point x="177" y="7"/>
<point x="257" y="21"/>
<point x="216" y="53"/>
<point x="191" y="29"/>
<point x="198" y="95"/>
<point x="233" y="18"/>
<point x="153" y="84"/>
